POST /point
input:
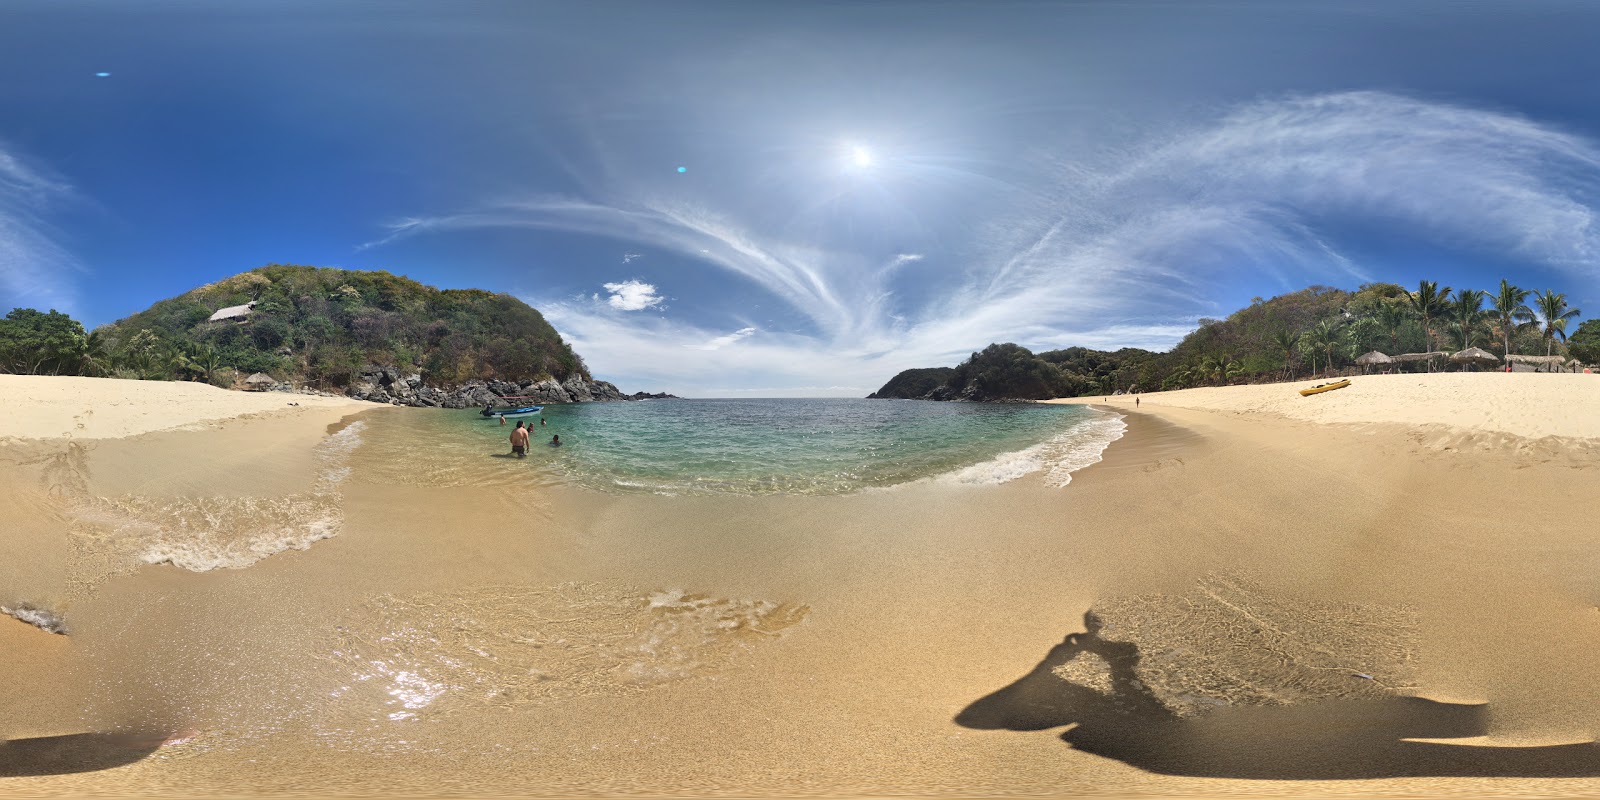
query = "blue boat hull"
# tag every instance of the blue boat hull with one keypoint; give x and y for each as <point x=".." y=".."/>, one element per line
<point x="526" y="411"/>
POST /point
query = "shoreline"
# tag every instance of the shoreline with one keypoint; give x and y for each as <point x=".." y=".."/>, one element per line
<point x="52" y="407"/>
<point x="787" y="625"/>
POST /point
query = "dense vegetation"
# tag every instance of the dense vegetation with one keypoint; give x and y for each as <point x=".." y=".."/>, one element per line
<point x="1319" y="330"/>
<point x="916" y="382"/>
<point x="313" y="325"/>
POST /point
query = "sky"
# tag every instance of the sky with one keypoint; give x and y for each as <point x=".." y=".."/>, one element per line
<point x="802" y="199"/>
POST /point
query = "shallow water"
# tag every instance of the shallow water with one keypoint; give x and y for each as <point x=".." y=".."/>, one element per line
<point x="831" y="446"/>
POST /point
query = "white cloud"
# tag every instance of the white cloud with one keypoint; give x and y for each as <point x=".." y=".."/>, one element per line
<point x="1124" y="249"/>
<point x="627" y="258"/>
<point x="34" y="269"/>
<point x="632" y="295"/>
<point x="723" y="341"/>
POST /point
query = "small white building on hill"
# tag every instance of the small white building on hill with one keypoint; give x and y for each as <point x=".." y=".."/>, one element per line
<point x="238" y="313"/>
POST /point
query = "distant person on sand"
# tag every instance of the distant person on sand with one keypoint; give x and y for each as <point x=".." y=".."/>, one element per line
<point x="1135" y="402"/>
<point x="519" y="440"/>
<point x="555" y="441"/>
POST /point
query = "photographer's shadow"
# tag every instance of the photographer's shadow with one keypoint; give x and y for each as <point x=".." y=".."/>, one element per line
<point x="1332" y="740"/>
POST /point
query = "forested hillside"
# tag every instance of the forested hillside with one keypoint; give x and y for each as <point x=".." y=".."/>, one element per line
<point x="308" y="325"/>
<point x="1315" y="331"/>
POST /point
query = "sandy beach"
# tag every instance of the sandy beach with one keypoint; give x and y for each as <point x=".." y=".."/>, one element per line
<point x="51" y="407"/>
<point x="1522" y="404"/>
<point x="1386" y="589"/>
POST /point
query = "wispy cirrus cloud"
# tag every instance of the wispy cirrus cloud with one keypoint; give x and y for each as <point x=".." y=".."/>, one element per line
<point x="34" y="269"/>
<point x="1127" y="248"/>
<point x="723" y="341"/>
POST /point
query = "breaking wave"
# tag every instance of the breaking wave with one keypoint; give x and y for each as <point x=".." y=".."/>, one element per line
<point x="1058" y="457"/>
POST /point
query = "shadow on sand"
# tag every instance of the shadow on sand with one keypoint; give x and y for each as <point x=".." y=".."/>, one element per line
<point x="1333" y="740"/>
<point x="78" y="752"/>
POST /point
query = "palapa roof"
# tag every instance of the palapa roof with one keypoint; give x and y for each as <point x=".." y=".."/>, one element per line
<point x="1419" y="356"/>
<point x="1475" y="354"/>
<point x="259" y="379"/>
<point x="232" y="312"/>
<point x="1373" y="357"/>
<point x="1520" y="359"/>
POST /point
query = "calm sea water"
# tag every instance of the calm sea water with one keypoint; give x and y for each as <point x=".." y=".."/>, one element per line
<point x="830" y="446"/>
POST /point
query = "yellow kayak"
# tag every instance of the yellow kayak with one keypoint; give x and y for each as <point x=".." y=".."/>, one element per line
<point x="1324" y="387"/>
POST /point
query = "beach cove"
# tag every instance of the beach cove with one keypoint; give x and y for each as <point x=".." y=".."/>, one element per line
<point x="406" y="630"/>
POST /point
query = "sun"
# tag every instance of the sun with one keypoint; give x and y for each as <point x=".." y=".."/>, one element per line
<point x="860" y="157"/>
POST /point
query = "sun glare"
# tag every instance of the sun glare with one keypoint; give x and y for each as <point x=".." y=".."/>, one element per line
<point x="860" y="156"/>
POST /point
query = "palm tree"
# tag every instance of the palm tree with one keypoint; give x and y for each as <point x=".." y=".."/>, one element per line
<point x="1511" y="312"/>
<point x="1328" y="335"/>
<point x="206" y="361"/>
<point x="1429" y="302"/>
<point x="1389" y="317"/>
<point x="1468" y="312"/>
<point x="97" y="358"/>
<point x="1553" y="314"/>
<point x="1286" y="341"/>
<point x="1321" y="340"/>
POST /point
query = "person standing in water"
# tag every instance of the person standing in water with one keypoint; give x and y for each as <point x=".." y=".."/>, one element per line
<point x="519" y="440"/>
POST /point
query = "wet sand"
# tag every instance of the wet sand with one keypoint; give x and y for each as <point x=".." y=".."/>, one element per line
<point x="556" y="641"/>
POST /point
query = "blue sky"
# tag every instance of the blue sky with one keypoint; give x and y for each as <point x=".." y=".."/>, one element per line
<point x="865" y="187"/>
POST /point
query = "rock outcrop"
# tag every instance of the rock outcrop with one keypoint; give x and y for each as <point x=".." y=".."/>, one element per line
<point x="385" y="384"/>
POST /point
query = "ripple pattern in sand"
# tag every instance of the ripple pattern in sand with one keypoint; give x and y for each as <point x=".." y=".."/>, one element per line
<point x="1230" y="642"/>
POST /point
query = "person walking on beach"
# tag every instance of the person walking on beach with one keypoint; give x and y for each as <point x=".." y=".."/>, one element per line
<point x="519" y="440"/>
<point x="1135" y="402"/>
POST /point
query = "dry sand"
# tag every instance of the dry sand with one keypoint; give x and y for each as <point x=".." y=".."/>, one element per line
<point x="1524" y="404"/>
<point x="51" y="407"/>
<point x="1249" y="567"/>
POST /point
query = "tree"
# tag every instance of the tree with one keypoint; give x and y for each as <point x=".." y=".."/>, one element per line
<point x="1468" y="312"/>
<point x="1553" y="314"/>
<point x="1511" y="312"/>
<point x="1429" y="302"/>
<point x="1325" y="337"/>
<point x="1286" y="341"/>
<point x="35" y="343"/>
<point x="1585" y="342"/>
<point x="1389" y="317"/>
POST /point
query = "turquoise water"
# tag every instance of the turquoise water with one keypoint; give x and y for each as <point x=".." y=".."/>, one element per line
<point x="828" y="446"/>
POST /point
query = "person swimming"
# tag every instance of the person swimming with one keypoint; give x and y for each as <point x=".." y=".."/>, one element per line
<point x="555" y="441"/>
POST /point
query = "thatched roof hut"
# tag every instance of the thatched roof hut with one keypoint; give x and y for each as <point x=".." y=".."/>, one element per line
<point x="1374" y="357"/>
<point x="260" y="380"/>
<point x="1475" y="355"/>
<point x="239" y="313"/>
<point x="1406" y="357"/>
<point x="1542" y="363"/>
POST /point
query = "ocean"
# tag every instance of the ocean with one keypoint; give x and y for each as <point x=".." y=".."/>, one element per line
<point x="753" y="446"/>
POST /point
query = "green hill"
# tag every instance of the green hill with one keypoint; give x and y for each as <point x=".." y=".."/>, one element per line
<point x="1315" y="331"/>
<point x="324" y="327"/>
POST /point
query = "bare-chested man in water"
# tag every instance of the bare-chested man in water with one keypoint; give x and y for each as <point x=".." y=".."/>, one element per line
<point x="519" y="440"/>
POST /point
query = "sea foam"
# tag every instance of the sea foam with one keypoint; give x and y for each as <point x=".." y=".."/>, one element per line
<point x="200" y="534"/>
<point x="1058" y="457"/>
